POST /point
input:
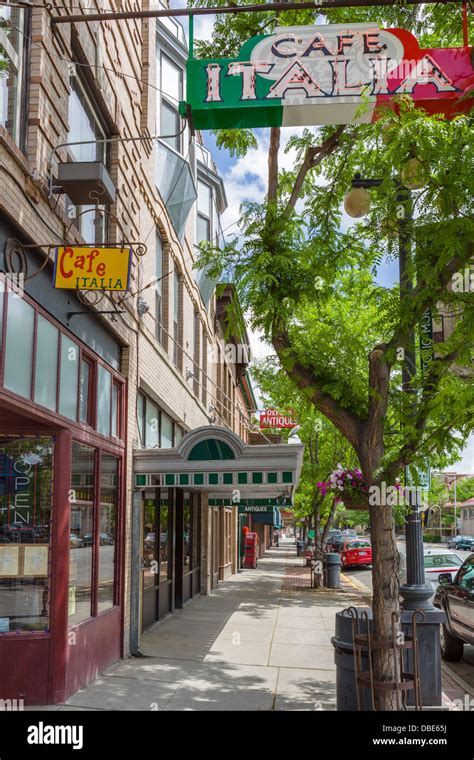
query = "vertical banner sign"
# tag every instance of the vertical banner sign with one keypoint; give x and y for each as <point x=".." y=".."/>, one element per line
<point x="420" y="477"/>
<point x="331" y="74"/>
<point x="426" y="343"/>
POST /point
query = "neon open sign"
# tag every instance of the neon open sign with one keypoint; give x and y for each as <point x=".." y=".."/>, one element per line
<point x="332" y="74"/>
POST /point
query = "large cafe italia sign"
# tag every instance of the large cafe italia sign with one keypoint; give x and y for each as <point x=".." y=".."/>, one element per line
<point x="331" y="74"/>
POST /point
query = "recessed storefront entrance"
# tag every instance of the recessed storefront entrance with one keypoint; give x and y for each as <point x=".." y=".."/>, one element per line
<point x="187" y="514"/>
<point x="171" y="551"/>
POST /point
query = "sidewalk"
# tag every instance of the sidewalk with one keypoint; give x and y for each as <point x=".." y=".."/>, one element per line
<point x="261" y="641"/>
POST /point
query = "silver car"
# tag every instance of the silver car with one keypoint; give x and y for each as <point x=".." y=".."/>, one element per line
<point x="436" y="561"/>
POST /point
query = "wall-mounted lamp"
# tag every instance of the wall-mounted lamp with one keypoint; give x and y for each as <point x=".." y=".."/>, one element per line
<point x="142" y="306"/>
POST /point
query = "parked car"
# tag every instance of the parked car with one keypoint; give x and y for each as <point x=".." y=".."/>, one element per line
<point x="467" y="545"/>
<point x="455" y="595"/>
<point x="356" y="551"/>
<point x="455" y="541"/>
<point x="436" y="562"/>
<point x="75" y="542"/>
<point x="105" y="539"/>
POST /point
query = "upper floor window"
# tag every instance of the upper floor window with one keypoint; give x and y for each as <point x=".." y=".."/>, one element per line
<point x="158" y="287"/>
<point x="204" y="216"/>
<point x="87" y="131"/>
<point x="176" y="315"/>
<point x="171" y="86"/>
<point x="156" y="429"/>
<point x="14" y="23"/>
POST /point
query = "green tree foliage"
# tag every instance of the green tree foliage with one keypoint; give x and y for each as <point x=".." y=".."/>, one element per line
<point x="464" y="489"/>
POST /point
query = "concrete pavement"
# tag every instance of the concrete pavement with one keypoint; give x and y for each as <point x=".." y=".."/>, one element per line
<point x="260" y="641"/>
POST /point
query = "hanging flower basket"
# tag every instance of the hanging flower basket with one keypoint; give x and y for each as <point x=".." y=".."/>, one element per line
<point x="353" y="504"/>
<point x="348" y="488"/>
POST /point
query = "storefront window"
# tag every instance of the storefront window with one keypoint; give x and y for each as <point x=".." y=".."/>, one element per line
<point x="81" y="540"/>
<point x="115" y="410"/>
<point x="69" y="378"/>
<point x="196" y="531"/>
<point x="46" y="366"/>
<point x="149" y="543"/>
<point x="19" y="346"/>
<point x="187" y="538"/>
<point x="165" y="568"/>
<point x="26" y="478"/>
<point x="108" y="509"/>
<point x="84" y="386"/>
<point x="104" y="390"/>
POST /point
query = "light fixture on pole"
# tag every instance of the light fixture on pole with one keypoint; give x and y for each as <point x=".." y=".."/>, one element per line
<point x="357" y="200"/>
<point x="142" y="306"/>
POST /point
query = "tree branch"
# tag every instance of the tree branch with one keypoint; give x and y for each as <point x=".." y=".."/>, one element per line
<point x="275" y="133"/>
<point x="343" y="419"/>
<point x="314" y="156"/>
<point x="379" y="380"/>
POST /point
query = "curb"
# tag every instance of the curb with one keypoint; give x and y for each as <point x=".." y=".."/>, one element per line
<point x="457" y="679"/>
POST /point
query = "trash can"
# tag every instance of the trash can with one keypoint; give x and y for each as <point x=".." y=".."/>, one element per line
<point x="333" y="565"/>
<point x="346" y="693"/>
<point x="299" y="548"/>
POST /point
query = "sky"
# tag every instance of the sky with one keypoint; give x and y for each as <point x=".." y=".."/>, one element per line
<point x="245" y="179"/>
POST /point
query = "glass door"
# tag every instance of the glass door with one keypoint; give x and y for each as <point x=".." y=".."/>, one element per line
<point x="150" y="561"/>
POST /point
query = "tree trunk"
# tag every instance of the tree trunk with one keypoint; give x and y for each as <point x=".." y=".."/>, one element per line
<point x="385" y="560"/>
<point x="385" y="595"/>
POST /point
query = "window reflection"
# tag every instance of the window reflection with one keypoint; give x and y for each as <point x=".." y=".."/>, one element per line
<point x="149" y="543"/>
<point x="108" y="508"/>
<point x="187" y="532"/>
<point x="26" y="477"/>
<point x="165" y="570"/>
<point x="81" y="538"/>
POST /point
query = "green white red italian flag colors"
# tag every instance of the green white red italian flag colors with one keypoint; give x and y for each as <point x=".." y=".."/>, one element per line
<point x="332" y="74"/>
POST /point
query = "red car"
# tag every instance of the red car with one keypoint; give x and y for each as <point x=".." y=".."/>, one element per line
<point x="356" y="551"/>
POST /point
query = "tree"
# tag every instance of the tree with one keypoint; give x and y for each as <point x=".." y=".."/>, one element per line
<point x="325" y="446"/>
<point x="310" y="285"/>
<point x="464" y="489"/>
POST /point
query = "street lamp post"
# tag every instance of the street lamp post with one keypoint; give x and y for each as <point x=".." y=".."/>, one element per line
<point x="415" y="592"/>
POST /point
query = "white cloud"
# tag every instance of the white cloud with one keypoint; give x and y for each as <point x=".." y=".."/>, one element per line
<point x="466" y="463"/>
<point x="247" y="178"/>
